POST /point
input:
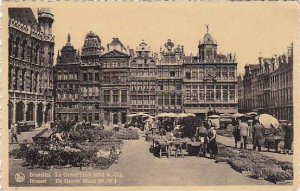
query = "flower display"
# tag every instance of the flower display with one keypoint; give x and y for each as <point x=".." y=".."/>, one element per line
<point x="82" y="147"/>
<point x="260" y="166"/>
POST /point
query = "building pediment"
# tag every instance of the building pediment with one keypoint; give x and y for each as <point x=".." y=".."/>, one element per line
<point x="114" y="53"/>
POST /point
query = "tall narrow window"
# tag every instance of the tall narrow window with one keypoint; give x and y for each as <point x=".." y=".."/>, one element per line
<point x="124" y="96"/>
<point x="106" y="96"/>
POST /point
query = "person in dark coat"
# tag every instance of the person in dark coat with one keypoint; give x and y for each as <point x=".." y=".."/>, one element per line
<point x="236" y="132"/>
<point x="288" y="137"/>
<point x="258" y="135"/>
<point x="212" y="146"/>
<point x="14" y="133"/>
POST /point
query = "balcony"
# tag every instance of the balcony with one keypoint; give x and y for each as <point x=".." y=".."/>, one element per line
<point x="115" y="104"/>
<point x="67" y="99"/>
<point x="68" y="110"/>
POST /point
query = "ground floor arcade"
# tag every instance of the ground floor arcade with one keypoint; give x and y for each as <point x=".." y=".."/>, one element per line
<point x="33" y="113"/>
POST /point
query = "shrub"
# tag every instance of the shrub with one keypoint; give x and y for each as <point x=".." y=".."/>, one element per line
<point x="278" y="175"/>
<point x="241" y="164"/>
<point x="127" y="135"/>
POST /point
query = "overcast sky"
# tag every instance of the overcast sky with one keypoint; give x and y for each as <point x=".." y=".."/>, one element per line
<point x="243" y="28"/>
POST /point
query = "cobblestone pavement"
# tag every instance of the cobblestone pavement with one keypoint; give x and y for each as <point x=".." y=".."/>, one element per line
<point x="139" y="167"/>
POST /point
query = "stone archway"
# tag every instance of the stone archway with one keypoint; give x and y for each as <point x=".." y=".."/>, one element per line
<point x="20" y="110"/>
<point x="39" y="117"/>
<point x="30" y="112"/>
<point x="48" y="113"/>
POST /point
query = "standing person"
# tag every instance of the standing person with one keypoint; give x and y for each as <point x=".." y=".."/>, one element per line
<point x="212" y="146"/>
<point x="258" y="135"/>
<point x="236" y="132"/>
<point x="288" y="138"/>
<point x="14" y="133"/>
<point x="201" y="132"/>
<point x="202" y="137"/>
<point x="154" y="127"/>
<point x="244" y="131"/>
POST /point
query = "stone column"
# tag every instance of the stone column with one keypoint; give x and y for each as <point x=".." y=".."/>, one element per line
<point x="52" y="113"/>
<point x="120" y="100"/>
<point x="35" y="115"/>
<point x="111" y="118"/>
<point x="119" y="117"/>
<point x="25" y="111"/>
<point x="44" y="115"/>
<point x="110" y="96"/>
<point x="14" y="112"/>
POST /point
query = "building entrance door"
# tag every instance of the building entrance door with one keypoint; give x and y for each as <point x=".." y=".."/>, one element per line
<point x="115" y="118"/>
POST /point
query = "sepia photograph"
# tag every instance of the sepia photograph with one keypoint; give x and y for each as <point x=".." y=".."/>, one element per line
<point x="150" y="94"/>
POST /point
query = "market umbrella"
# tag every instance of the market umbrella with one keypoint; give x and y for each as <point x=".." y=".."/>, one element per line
<point x="173" y="115"/>
<point x="237" y="115"/>
<point x="214" y="116"/>
<point x="142" y="114"/>
<point x="268" y="121"/>
<point x="162" y="115"/>
<point x="131" y="115"/>
<point x="182" y="115"/>
<point x="191" y="115"/>
<point x="225" y="115"/>
<point x="252" y="113"/>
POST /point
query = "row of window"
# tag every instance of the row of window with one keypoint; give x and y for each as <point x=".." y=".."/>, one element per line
<point x="68" y="76"/>
<point x="201" y="73"/>
<point x="170" y="99"/>
<point x="281" y="80"/>
<point x="210" y="94"/>
<point x="19" y="49"/>
<point x="143" y="72"/>
<point x="142" y="85"/>
<point x="169" y="72"/>
<point x="114" y="64"/>
<point x="115" y="96"/>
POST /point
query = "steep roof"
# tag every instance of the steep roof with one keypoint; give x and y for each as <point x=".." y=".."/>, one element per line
<point x="24" y="15"/>
<point x="253" y="66"/>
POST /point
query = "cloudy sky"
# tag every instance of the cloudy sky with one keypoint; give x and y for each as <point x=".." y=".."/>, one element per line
<point x="244" y="28"/>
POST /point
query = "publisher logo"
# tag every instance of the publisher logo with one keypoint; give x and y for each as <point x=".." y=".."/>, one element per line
<point x="20" y="177"/>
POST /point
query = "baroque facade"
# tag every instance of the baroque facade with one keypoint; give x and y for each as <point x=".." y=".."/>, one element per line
<point x="267" y="87"/>
<point x="103" y="85"/>
<point x="209" y="80"/>
<point x="169" y="78"/>
<point x="143" y="80"/>
<point x="30" y="81"/>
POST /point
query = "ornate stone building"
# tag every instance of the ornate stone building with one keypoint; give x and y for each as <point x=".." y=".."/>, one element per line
<point x="268" y="86"/>
<point x="249" y="85"/>
<point x="209" y="80"/>
<point x="78" y="80"/>
<point x="169" y="78"/>
<point x="105" y="85"/>
<point x="30" y="82"/>
<point x="114" y="86"/>
<point x="67" y="73"/>
<point x="143" y="80"/>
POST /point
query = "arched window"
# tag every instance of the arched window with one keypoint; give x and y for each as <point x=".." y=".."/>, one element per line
<point x="17" y="47"/>
<point x="23" y="84"/>
<point x="23" y="49"/>
<point x="36" y="58"/>
<point x="10" y="44"/>
<point x="15" y="79"/>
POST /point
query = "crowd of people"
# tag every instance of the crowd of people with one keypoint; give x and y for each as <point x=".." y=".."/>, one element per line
<point x="242" y="131"/>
